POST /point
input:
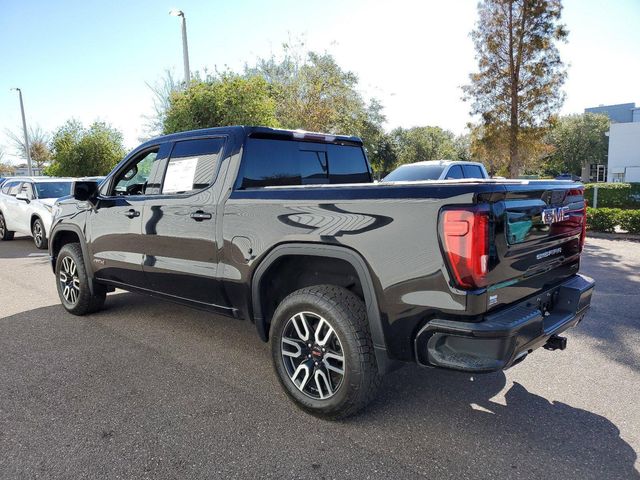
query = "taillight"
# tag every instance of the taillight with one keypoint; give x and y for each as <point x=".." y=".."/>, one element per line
<point x="583" y="234"/>
<point x="465" y="241"/>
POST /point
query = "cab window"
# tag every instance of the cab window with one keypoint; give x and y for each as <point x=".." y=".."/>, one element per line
<point x="472" y="171"/>
<point x="192" y="166"/>
<point x="133" y="180"/>
<point x="280" y="162"/>
<point x="454" y="173"/>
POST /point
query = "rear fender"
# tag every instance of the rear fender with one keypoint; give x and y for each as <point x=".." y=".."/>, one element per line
<point x="331" y="251"/>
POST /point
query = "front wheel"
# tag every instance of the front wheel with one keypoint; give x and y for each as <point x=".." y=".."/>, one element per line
<point x="39" y="234"/>
<point x="73" y="283"/>
<point x="323" y="352"/>
<point x="4" y="233"/>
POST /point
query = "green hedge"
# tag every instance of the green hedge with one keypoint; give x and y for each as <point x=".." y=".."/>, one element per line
<point x="614" y="195"/>
<point x="630" y="220"/>
<point x="602" y="219"/>
<point x="606" y="219"/>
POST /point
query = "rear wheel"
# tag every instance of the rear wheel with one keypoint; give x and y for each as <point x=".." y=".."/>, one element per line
<point x="39" y="234"/>
<point x="4" y="233"/>
<point x="323" y="353"/>
<point x="73" y="283"/>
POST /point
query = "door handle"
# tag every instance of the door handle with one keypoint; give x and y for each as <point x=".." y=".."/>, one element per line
<point x="200" y="216"/>
<point x="132" y="213"/>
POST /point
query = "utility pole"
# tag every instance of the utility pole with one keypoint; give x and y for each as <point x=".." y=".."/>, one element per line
<point x="185" y="47"/>
<point x="26" y="135"/>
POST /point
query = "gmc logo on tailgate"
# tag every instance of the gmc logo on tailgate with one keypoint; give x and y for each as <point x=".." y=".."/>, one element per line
<point x="554" y="215"/>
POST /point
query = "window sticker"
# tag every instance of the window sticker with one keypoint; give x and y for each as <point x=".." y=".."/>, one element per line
<point x="180" y="175"/>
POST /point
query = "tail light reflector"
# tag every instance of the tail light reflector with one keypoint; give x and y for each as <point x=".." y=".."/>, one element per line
<point x="465" y="241"/>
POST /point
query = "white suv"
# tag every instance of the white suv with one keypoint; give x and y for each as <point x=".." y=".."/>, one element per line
<point x="437" y="170"/>
<point x="26" y="206"/>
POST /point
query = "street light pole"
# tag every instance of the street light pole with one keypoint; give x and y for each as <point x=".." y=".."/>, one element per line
<point x="26" y="135"/>
<point x="185" y="47"/>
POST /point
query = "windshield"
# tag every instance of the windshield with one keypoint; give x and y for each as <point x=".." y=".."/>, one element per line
<point x="414" y="172"/>
<point x="53" y="189"/>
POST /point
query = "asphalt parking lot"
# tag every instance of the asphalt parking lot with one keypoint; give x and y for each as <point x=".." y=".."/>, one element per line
<point x="147" y="389"/>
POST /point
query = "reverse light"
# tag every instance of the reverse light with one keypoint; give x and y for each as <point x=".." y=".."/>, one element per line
<point x="465" y="241"/>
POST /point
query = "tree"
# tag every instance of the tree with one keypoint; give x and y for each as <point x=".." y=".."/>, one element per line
<point x="298" y="90"/>
<point x="384" y="155"/>
<point x="38" y="146"/>
<point x="5" y="168"/>
<point x="417" y="144"/>
<point x="161" y="90"/>
<point x="489" y="145"/>
<point x="312" y="92"/>
<point x="221" y="100"/>
<point x="517" y="88"/>
<point x="577" y="141"/>
<point x="462" y="144"/>
<point x="80" y="151"/>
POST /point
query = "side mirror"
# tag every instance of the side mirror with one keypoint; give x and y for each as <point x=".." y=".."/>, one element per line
<point x="23" y="196"/>
<point x="84" y="190"/>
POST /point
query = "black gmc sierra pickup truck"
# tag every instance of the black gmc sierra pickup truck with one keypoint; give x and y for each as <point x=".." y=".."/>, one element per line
<point x="346" y="277"/>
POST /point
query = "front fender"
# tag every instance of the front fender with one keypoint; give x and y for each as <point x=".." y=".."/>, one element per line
<point x="56" y="242"/>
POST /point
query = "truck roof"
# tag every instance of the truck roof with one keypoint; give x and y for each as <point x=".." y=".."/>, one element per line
<point x="259" y="132"/>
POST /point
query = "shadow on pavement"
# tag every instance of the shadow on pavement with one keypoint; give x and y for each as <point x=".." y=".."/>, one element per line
<point x="20" y="247"/>
<point x="615" y="304"/>
<point x="446" y="424"/>
<point x="515" y="437"/>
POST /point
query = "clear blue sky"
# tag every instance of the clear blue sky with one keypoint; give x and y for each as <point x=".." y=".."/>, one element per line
<point x="90" y="60"/>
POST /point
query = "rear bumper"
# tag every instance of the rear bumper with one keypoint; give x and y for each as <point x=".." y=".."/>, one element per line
<point x="504" y="338"/>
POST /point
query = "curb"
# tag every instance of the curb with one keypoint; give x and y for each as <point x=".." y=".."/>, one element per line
<point x="613" y="236"/>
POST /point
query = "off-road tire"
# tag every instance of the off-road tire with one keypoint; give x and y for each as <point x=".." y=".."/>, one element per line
<point x="87" y="302"/>
<point x="346" y="314"/>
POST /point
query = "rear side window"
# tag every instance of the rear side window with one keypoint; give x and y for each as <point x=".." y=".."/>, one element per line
<point x="347" y="164"/>
<point x="270" y="162"/>
<point x="472" y="171"/>
<point x="192" y="166"/>
<point x="454" y="172"/>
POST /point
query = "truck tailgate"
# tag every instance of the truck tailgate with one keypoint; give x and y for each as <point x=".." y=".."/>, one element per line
<point x="536" y="238"/>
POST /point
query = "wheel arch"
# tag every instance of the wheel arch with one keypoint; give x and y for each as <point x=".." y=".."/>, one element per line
<point x="62" y="235"/>
<point x="333" y="252"/>
<point x="34" y="216"/>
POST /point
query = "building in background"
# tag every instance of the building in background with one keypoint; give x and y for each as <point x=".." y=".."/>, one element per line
<point x="624" y="151"/>
<point x="620" y="113"/>
<point x="22" y="170"/>
<point x="623" y="160"/>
